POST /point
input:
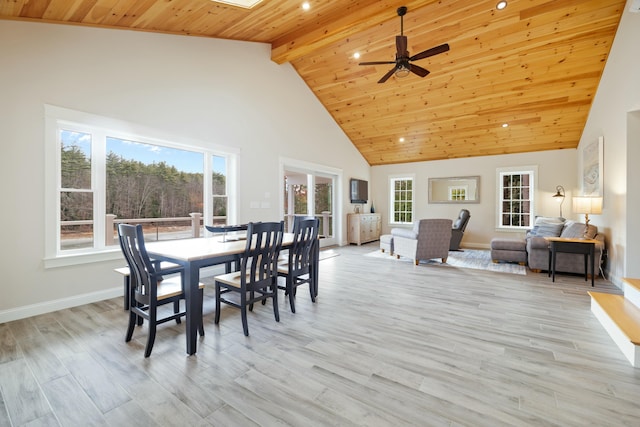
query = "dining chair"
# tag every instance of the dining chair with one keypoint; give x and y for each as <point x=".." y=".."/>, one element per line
<point x="256" y="279"/>
<point x="297" y="269"/>
<point x="147" y="291"/>
<point x="224" y="229"/>
<point x="165" y="266"/>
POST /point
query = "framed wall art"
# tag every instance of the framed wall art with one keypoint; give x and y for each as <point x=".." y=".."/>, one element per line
<point x="592" y="164"/>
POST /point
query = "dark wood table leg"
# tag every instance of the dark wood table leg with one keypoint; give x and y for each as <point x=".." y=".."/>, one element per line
<point x="192" y="303"/>
<point x="592" y="253"/>
<point x="553" y="262"/>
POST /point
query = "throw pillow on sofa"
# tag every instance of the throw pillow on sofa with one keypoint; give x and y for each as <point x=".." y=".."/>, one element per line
<point x="575" y="230"/>
<point x="547" y="227"/>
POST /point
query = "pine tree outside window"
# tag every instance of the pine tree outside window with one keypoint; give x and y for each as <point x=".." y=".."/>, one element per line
<point x="110" y="173"/>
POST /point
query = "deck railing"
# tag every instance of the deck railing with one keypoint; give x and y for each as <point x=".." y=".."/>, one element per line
<point x="195" y="220"/>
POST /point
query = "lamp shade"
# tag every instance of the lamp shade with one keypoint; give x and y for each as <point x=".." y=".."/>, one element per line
<point x="587" y="205"/>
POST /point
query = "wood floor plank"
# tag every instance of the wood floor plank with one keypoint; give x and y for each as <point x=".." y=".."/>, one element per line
<point x="130" y="414"/>
<point x="21" y="392"/>
<point x="8" y="345"/>
<point x="44" y="364"/>
<point x="96" y="383"/>
<point x="304" y="411"/>
<point x="71" y="404"/>
<point x="171" y="373"/>
<point x="163" y="406"/>
<point x="4" y="412"/>
<point x="228" y="416"/>
<point x="387" y="343"/>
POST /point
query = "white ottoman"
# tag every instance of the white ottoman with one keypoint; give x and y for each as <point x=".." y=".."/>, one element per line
<point x="386" y="243"/>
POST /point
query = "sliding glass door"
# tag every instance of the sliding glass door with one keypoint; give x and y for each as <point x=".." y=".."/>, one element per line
<point x="308" y="193"/>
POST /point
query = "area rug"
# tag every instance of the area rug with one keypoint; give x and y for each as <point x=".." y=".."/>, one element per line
<point x="477" y="259"/>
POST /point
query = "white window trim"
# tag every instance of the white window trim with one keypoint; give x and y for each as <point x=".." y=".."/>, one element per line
<point x="533" y="170"/>
<point x="56" y="117"/>
<point x="391" y="194"/>
<point x="316" y="169"/>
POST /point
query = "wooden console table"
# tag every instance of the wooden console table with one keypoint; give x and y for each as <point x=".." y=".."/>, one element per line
<point x="363" y="228"/>
<point x="572" y="246"/>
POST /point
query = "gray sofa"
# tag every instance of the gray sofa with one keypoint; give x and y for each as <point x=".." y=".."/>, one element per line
<point x="538" y="247"/>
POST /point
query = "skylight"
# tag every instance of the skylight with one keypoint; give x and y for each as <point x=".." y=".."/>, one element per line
<point x="247" y="4"/>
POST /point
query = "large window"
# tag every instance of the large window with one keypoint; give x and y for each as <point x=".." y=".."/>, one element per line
<point x="107" y="172"/>
<point x="516" y="197"/>
<point x="401" y="200"/>
<point x="220" y="191"/>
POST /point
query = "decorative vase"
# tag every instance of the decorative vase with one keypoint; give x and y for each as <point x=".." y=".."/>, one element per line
<point x="372" y="210"/>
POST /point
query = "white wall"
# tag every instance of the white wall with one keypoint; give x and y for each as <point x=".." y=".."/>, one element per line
<point x="554" y="168"/>
<point x="220" y="92"/>
<point x="615" y="114"/>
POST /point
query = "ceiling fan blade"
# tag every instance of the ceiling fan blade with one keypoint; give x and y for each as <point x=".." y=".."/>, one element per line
<point x="377" y="63"/>
<point x="386" y="76"/>
<point x="430" y="52"/>
<point x="419" y="70"/>
<point x="401" y="45"/>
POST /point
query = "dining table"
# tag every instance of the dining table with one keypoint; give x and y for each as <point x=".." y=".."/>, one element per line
<point x="196" y="253"/>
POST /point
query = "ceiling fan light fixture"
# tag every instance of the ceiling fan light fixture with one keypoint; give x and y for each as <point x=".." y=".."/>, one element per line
<point x="402" y="72"/>
<point x="403" y="63"/>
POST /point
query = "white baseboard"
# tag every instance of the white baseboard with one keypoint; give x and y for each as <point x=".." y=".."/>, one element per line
<point x="76" y="300"/>
<point x="58" y="304"/>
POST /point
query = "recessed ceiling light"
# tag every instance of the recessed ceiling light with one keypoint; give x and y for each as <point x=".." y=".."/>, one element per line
<point x="306" y="5"/>
<point x="501" y="5"/>
<point x="504" y="125"/>
<point x="356" y="55"/>
<point x="401" y="140"/>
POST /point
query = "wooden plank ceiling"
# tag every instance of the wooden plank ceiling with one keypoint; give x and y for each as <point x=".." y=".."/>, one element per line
<point x="535" y="65"/>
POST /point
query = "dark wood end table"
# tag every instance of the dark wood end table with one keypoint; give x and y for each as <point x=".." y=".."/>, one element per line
<point x="572" y="246"/>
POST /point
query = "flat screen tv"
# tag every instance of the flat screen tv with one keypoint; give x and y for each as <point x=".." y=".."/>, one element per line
<point x="359" y="190"/>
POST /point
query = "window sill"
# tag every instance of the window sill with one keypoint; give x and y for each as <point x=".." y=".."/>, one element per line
<point x="84" y="258"/>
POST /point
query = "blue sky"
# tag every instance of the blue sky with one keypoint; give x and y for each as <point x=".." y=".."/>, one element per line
<point x="186" y="161"/>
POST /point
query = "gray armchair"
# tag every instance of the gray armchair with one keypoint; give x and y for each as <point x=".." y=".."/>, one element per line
<point x="429" y="238"/>
<point x="457" y="231"/>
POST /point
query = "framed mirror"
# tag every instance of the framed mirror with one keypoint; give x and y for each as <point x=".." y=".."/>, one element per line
<point x="457" y="189"/>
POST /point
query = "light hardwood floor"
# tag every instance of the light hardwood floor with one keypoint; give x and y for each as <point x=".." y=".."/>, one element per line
<point x="387" y="344"/>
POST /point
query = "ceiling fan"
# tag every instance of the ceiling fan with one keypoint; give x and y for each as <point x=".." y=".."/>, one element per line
<point x="403" y="65"/>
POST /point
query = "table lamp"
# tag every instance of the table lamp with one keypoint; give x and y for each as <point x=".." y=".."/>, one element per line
<point x="587" y="205"/>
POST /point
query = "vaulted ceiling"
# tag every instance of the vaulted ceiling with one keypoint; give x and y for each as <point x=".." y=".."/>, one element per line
<point x="534" y="66"/>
